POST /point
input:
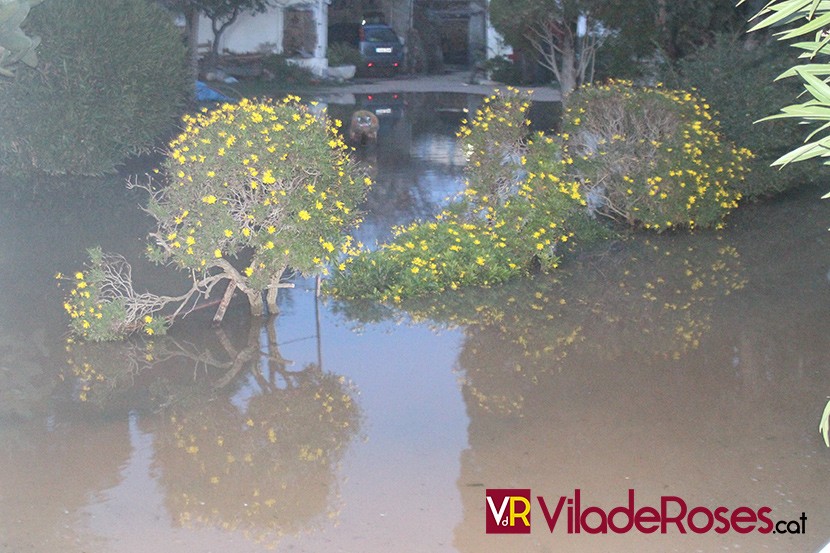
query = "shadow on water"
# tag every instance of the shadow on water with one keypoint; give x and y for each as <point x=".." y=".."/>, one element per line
<point x="673" y="365"/>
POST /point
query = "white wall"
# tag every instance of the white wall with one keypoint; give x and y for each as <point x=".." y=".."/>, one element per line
<point x="263" y="32"/>
<point x="495" y="43"/>
<point x="248" y="33"/>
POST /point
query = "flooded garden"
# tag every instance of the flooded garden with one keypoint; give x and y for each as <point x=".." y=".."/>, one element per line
<point x="691" y="366"/>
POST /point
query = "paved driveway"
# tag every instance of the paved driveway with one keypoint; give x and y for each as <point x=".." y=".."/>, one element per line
<point x="448" y="82"/>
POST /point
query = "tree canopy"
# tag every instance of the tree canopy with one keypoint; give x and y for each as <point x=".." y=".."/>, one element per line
<point x="632" y="29"/>
<point x="554" y="29"/>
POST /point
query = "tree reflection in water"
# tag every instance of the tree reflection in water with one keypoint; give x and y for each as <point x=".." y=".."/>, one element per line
<point x="242" y="441"/>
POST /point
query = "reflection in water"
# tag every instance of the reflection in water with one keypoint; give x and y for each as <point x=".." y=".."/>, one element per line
<point x="242" y="443"/>
<point x="416" y="162"/>
<point x="690" y="366"/>
<point x="667" y="365"/>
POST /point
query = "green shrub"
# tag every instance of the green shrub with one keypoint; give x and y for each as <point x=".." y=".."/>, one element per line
<point x="341" y="53"/>
<point x="280" y="70"/>
<point x="650" y="157"/>
<point x="111" y="80"/>
<point x="503" y="70"/>
<point x="736" y="78"/>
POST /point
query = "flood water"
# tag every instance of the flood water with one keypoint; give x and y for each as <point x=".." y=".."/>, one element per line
<point x="692" y="367"/>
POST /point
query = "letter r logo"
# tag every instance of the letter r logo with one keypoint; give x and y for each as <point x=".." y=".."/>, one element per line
<point x="507" y="511"/>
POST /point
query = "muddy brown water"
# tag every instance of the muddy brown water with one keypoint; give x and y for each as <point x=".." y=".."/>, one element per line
<point x="692" y="367"/>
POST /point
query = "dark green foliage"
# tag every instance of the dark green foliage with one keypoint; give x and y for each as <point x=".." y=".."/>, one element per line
<point x="736" y="78"/>
<point x="503" y="70"/>
<point x="111" y="80"/>
<point x="281" y="71"/>
<point x="341" y="53"/>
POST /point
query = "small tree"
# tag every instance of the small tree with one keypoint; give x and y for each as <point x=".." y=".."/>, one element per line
<point x="223" y="14"/>
<point x="249" y="194"/>
<point x="268" y="185"/>
<point x="552" y="28"/>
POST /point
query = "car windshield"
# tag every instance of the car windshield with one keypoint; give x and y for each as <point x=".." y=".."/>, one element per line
<point x="381" y="35"/>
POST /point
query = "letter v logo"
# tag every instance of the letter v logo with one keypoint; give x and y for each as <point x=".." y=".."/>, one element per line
<point x="497" y="515"/>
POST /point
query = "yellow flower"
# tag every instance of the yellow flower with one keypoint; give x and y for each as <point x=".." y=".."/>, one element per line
<point x="210" y="199"/>
<point x="228" y="232"/>
<point x="217" y="253"/>
<point x="304" y="215"/>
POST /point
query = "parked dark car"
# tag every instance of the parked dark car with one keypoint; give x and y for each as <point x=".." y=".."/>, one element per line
<point x="380" y="48"/>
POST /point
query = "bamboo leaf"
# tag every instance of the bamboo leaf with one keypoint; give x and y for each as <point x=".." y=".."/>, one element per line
<point x="817" y="131"/>
<point x="780" y="13"/>
<point x="812" y="112"/>
<point x="814" y="25"/>
<point x="824" y="425"/>
<point x="810" y="68"/>
<point x="803" y="153"/>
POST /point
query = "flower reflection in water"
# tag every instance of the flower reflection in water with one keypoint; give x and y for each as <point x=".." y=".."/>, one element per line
<point x="242" y="441"/>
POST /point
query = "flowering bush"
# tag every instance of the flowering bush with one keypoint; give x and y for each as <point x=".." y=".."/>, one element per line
<point x="719" y="72"/>
<point x="102" y="304"/>
<point x="494" y="142"/>
<point x="252" y="190"/>
<point x="509" y="220"/>
<point x="248" y="192"/>
<point x="650" y="157"/>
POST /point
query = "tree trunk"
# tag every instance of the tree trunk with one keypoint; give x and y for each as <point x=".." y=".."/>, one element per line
<point x="668" y="39"/>
<point x="255" y="303"/>
<point x="192" y="19"/>
<point x="568" y="70"/>
<point x="271" y="300"/>
<point x="273" y="289"/>
<point x="218" y="29"/>
<point x="223" y="305"/>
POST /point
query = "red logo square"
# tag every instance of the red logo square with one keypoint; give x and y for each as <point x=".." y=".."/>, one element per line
<point x="507" y="511"/>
